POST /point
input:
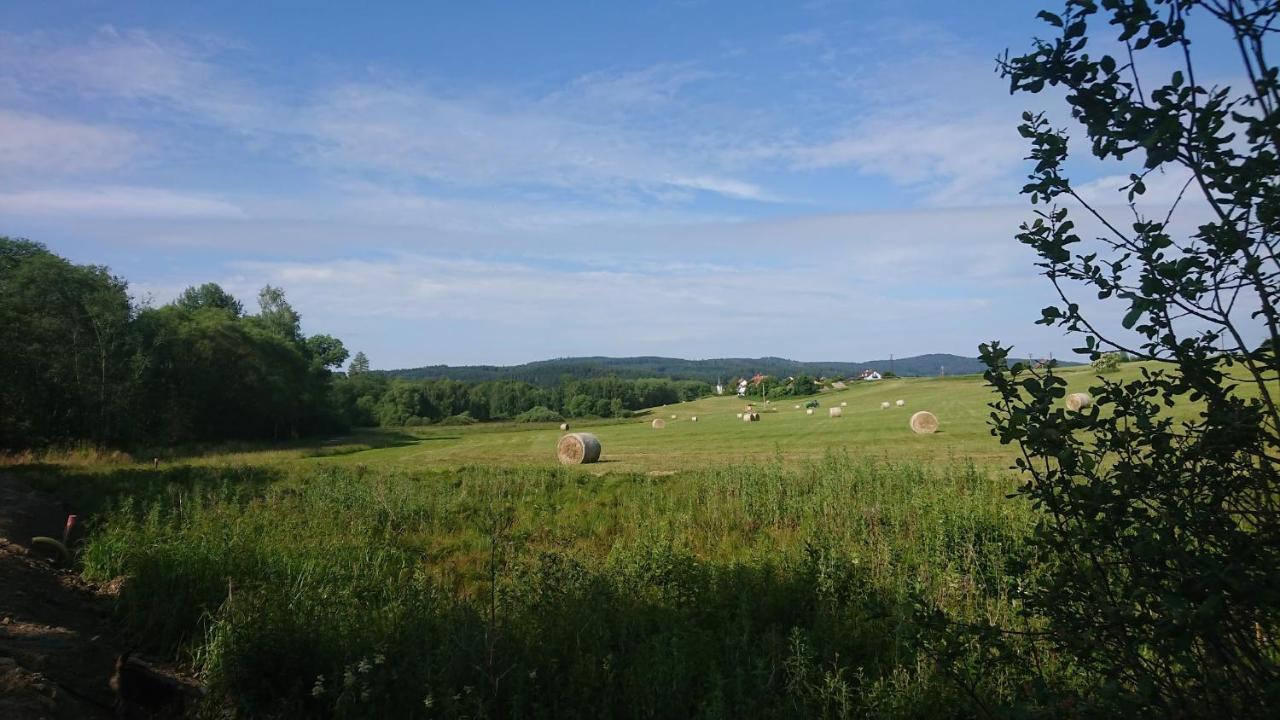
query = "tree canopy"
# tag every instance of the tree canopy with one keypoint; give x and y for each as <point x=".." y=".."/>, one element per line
<point x="83" y="362"/>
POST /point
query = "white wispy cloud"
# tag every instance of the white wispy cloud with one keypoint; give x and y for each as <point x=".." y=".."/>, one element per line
<point x="615" y="137"/>
<point x="1162" y="190"/>
<point x="701" y="309"/>
<point x="727" y="187"/>
<point x="35" y="144"/>
<point x="574" y="140"/>
<point x="117" y="201"/>
<point x="955" y="163"/>
<point x="602" y="134"/>
<point x="135" y="65"/>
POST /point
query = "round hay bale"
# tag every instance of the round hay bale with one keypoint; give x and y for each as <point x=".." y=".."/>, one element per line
<point x="658" y="423"/>
<point x="900" y="403"/>
<point x="564" y="426"/>
<point x="884" y="405"/>
<point x="808" y="411"/>
<point x="673" y="417"/>
<point x="797" y="407"/>
<point x="924" y="422"/>
<point x="578" y="449"/>
<point x="834" y="412"/>
<point x="844" y="403"/>
<point x="1079" y="401"/>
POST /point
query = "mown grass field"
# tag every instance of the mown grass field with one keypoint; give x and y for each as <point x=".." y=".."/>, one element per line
<point x="718" y="438"/>
<point x="710" y="569"/>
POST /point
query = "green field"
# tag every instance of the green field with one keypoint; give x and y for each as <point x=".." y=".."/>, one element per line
<point x="717" y="438"/>
<point x="713" y="569"/>
<point x="779" y="589"/>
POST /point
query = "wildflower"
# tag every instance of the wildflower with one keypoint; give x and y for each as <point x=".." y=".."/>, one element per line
<point x="379" y="659"/>
<point x="318" y="689"/>
<point x="363" y="666"/>
<point x="348" y="678"/>
<point x="428" y="701"/>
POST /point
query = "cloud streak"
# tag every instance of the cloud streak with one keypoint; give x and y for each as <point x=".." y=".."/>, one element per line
<point x="699" y="309"/>
<point x="34" y="144"/>
<point x="118" y="202"/>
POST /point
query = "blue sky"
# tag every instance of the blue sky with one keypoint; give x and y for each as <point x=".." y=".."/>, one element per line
<point x="502" y="182"/>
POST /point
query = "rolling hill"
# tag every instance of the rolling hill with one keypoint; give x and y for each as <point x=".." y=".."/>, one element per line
<point x="550" y="372"/>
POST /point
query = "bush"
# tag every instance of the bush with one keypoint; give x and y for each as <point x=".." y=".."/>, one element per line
<point x="539" y="413"/>
<point x="1158" y="538"/>
<point x="1108" y="362"/>
<point x="463" y="418"/>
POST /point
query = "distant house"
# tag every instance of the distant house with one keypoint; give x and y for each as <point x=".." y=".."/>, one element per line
<point x="870" y="375"/>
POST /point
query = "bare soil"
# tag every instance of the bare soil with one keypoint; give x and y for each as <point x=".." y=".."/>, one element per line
<point x="58" y="644"/>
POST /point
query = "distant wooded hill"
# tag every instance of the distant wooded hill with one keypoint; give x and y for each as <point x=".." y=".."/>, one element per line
<point x="551" y="372"/>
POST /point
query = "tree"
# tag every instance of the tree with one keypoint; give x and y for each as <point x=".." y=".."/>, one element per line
<point x="69" y="358"/>
<point x="209" y="295"/>
<point x="579" y="406"/>
<point x="1108" y="362"/>
<point x="405" y="403"/>
<point x="326" y="351"/>
<point x="1158" y="541"/>
<point x="804" y="385"/>
<point x="359" y="364"/>
<point x="81" y="363"/>
<point x="277" y="315"/>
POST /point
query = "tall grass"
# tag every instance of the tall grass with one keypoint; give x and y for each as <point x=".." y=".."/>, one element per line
<point x="752" y="591"/>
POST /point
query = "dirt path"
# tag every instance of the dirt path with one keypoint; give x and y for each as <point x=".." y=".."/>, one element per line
<point x="57" y="643"/>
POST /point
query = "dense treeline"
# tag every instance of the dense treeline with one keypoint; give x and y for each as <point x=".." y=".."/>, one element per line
<point x="83" y="362"/>
<point x="548" y="373"/>
<point x="366" y="398"/>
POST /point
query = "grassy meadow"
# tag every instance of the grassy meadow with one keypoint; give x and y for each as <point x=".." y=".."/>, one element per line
<point x="709" y="569"/>
<point x="718" y="438"/>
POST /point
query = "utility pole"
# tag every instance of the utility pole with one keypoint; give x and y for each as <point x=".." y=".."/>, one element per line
<point x="891" y="365"/>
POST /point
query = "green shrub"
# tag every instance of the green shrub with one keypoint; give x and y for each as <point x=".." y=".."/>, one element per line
<point x="1157" y="537"/>
<point x="1108" y="362"/>
<point x="539" y="414"/>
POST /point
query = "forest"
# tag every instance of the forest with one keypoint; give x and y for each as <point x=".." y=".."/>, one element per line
<point x="84" y="361"/>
